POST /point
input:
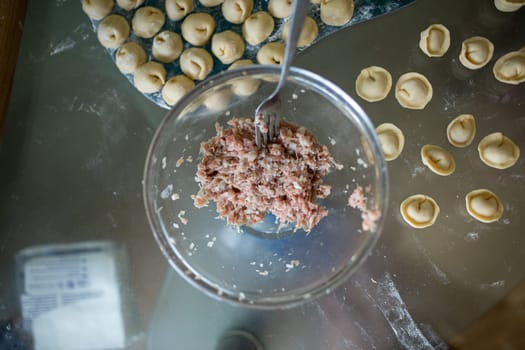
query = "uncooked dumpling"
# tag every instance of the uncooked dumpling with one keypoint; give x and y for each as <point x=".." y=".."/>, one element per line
<point x="227" y="46"/>
<point x="97" y="9"/>
<point x="243" y="86"/>
<point x="147" y="21"/>
<point x="461" y="130"/>
<point x="308" y="33"/>
<point x="149" y="77"/>
<point x="196" y="63"/>
<point x="413" y="91"/>
<point x="498" y="151"/>
<point x="236" y="11"/>
<point x="175" y="88"/>
<point x="476" y="52"/>
<point x="218" y="100"/>
<point x="113" y="31"/>
<point x="271" y="53"/>
<point x="336" y="12"/>
<point x="435" y="40"/>
<point x="240" y="63"/>
<point x="167" y="46"/>
<point x="373" y="83"/>
<point x="211" y="3"/>
<point x="129" y="56"/>
<point x="392" y="140"/>
<point x="509" y="5"/>
<point x="510" y="68"/>
<point x="129" y="5"/>
<point x="280" y="8"/>
<point x="198" y="28"/>
<point x="257" y="27"/>
<point x="484" y="205"/>
<point x="419" y="211"/>
<point x="178" y="9"/>
<point x="438" y="159"/>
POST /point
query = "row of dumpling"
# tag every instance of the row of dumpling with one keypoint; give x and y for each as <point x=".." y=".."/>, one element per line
<point x="198" y="29"/>
<point x="414" y="91"/>
<point x="332" y="12"/>
<point x="495" y="150"/>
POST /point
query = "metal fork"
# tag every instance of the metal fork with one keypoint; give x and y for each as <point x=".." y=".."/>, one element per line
<point x="267" y="118"/>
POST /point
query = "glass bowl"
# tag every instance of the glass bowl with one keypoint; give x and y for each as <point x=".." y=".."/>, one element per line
<point x="264" y="265"/>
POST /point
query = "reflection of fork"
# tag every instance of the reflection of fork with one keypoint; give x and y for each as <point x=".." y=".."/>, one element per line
<point x="267" y="118"/>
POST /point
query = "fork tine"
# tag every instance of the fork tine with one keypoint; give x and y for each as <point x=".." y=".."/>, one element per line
<point x="260" y="119"/>
<point x="258" y="137"/>
<point x="265" y="134"/>
<point x="277" y="124"/>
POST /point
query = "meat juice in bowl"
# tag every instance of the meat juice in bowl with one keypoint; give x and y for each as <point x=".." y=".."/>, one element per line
<point x="267" y="262"/>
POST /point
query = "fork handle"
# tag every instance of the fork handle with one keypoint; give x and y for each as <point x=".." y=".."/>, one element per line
<point x="299" y="10"/>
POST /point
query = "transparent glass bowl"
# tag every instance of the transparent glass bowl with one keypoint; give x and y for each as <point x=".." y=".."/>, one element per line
<point x="261" y="266"/>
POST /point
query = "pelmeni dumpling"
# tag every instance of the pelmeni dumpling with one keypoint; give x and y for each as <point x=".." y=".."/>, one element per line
<point x="211" y="3"/>
<point x="438" y="159"/>
<point x="227" y="46"/>
<point x="271" y="53"/>
<point x="167" y="46"/>
<point x="147" y="21"/>
<point x="218" y="100"/>
<point x="336" y="12"/>
<point x="484" y="205"/>
<point x="510" y="68"/>
<point x="498" y="151"/>
<point x="461" y="130"/>
<point x="178" y="9"/>
<point x="308" y="34"/>
<point x="435" y="40"/>
<point x="149" y="77"/>
<point x="129" y="5"/>
<point x="175" y="88"/>
<point x="419" y="211"/>
<point x="373" y="83"/>
<point x="476" y="52"/>
<point x="413" y="91"/>
<point x="509" y="5"/>
<point x="113" y="31"/>
<point x="129" y="56"/>
<point x="198" y="28"/>
<point x="236" y="11"/>
<point x="257" y="27"/>
<point x="240" y="63"/>
<point x="280" y="8"/>
<point x="196" y="63"/>
<point x="244" y="86"/>
<point x="97" y="9"/>
<point x="392" y="140"/>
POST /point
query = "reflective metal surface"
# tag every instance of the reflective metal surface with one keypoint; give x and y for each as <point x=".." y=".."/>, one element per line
<point x="76" y="137"/>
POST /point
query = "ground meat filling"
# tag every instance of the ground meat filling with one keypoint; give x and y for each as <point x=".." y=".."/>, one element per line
<point x="369" y="217"/>
<point x="283" y="178"/>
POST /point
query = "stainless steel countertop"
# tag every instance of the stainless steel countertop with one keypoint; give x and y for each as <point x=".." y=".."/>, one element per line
<point x="75" y="142"/>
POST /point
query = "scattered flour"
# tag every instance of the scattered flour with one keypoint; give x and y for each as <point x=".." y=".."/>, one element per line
<point x="472" y="236"/>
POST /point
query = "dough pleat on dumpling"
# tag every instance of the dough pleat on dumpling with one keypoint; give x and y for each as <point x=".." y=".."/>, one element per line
<point x="227" y="46"/>
<point x="196" y="63"/>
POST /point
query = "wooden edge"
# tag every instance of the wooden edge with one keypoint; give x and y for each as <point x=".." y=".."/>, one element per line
<point x="502" y="327"/>
<point x="12" y="13"/>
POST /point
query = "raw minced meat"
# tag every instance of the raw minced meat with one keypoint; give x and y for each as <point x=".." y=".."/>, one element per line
<point x="357" y="199"/>
<point x="369" y="217"/>
<point x="283" y="178"/>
